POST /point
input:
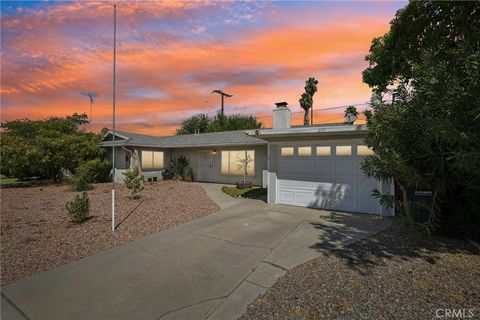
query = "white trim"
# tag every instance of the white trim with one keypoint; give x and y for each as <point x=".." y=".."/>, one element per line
<point x="308" y="130"/>
<point x="116" y="134"/>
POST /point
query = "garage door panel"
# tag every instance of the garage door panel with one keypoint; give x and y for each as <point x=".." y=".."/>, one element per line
<point x="344" y="203"/>
<point x="327" y="182"/>
<point x="323" y="167"/>
<point x="286" y="196"/>
<point x="366" y="204"/>
<point x="304" y="197"/>
<point x="365" y="184"/>
<point x="344" y="167"/>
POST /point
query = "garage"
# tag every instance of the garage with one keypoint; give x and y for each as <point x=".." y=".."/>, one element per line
<point x="326" y="175"/>
<point x="319" y="166"/>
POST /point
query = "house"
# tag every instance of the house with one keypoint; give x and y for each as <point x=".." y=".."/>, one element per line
<point x="310" y="166"/>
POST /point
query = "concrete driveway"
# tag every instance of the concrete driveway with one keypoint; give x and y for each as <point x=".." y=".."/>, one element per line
<point x="209" y="268"/>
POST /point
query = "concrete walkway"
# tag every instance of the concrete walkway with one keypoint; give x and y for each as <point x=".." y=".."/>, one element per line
<point x="223" y="200"/>
<point x="209" y="268"/>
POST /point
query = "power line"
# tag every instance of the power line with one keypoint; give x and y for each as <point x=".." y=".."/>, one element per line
<point x="328" y="120"/>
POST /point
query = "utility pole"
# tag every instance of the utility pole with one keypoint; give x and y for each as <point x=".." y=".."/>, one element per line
<point x="113" y="110"/>
<point x="223" y="94"/>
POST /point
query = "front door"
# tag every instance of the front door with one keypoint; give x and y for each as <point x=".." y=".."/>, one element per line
<point x="205" y="165"/>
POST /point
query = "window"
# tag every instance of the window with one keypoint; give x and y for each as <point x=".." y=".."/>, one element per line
<point x="232" y="164"/>
<point x="286" y="151"/>
<point x="343" y="150"/>
<point x="364" y="151"/>
<point x="152" y="159"/>
<point x="304" y="151"/>
<point x="323" y="151"/>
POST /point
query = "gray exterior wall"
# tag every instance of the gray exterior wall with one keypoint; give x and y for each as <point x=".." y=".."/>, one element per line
<point x="120" y="157"/>
<point x="192" y="155"/>
<point x="217" y="176"/>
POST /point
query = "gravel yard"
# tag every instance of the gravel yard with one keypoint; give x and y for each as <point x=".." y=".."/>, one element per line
<point x="392" y="275"/>
<point x="37" y="236"/>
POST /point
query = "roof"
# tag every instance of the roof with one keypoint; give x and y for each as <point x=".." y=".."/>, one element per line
<point x="232" y="138"/>
<point x="338" y="129"/>
<point x="227" y="138"/>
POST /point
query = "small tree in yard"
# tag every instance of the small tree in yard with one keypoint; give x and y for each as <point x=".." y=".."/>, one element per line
<point x="133" y="181"/>
<point x="78" y="210"/>
<point x="244" y="163"/>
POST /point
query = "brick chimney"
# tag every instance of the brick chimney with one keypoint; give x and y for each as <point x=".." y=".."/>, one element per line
<point x="281" y="116"/>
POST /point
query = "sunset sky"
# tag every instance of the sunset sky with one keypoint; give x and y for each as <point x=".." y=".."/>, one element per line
<point x="171" y="55"/>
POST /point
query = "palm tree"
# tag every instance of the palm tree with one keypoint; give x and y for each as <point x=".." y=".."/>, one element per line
<point x="306" y="101"/>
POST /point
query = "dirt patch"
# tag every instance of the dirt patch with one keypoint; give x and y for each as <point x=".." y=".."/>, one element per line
<point x="395" y="274"/>
<point x="37" y="236"/>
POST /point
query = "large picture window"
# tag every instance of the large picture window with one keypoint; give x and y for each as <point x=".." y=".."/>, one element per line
<point x="152" y="159"/>
<point x="231" y="162"/>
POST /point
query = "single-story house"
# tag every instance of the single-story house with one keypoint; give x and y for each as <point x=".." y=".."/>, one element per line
<point x="310" y="166"/>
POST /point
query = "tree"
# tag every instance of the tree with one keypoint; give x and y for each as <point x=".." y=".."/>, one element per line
<point x="306" y="100"/>
<point x="351" y="114"/>
<point x="218" y="123"/>
<point x="438" y="26"/>
<point x="244" y="163"/>
<point x="429" y="136"/>
<point x="47" y="148"/>
<point x="196" y="123"/>
<point x="233" y="122"/>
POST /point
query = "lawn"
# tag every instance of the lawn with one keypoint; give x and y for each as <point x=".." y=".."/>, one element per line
<point x="37" y="236"/>
<point x="7" y="181"/>
<point x="396" y="274"/>
<point x="251" y="193"/>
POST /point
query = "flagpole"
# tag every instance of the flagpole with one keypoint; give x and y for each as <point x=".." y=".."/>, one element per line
<point x="113" y="109"/>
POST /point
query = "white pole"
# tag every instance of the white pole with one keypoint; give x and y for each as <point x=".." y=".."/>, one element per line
<point x="113" y="107"/>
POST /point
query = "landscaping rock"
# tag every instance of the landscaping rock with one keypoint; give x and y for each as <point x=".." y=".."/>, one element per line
<point x="393" y="275"/>
<point x="36" y="234"/>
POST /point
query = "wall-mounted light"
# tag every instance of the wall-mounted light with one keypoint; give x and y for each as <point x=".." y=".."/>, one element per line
<point x="214" y="152"/>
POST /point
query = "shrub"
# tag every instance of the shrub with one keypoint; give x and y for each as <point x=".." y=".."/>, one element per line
<point x="78" y="209"/>
<point x="89" y="172"/>
<point x="178" y="166"/>
<point x="189" y="174"/>
<point x="80" y="183"/>
<point x="166" y="175"/>
<point x="134" y="182"/>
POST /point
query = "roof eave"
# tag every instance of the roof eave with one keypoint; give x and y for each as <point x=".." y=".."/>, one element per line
<point x="133" y="144"/>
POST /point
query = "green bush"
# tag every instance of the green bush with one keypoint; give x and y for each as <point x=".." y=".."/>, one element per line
<point x="134" y="182"/>
<point x="89" y="172"/>
<point x="189" y="175"/>
<point x="80" y="183"/>
<point x="178" y="165"/>
<point x="78" y="209"/>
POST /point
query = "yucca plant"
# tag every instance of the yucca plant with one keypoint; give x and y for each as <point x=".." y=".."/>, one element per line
<point x="178" y="166"/>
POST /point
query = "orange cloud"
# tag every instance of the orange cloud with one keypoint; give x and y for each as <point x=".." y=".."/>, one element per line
<point x="163" y="77"/>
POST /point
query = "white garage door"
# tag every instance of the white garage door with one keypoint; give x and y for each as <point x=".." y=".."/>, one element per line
<point x="328" y="177"/>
